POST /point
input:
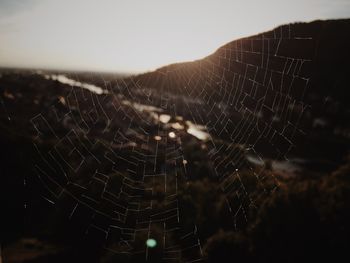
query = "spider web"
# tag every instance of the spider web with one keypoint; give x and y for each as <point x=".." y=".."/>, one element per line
<point x="119" y="165"/>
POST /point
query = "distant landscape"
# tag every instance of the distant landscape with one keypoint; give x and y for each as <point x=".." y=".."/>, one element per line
<point x="240" y="156"/>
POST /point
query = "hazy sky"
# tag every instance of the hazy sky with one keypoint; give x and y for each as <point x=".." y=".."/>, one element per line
<point x="139" y="35"/>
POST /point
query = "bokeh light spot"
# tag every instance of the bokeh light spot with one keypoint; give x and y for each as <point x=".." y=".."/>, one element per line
<point x="151" y="243"/>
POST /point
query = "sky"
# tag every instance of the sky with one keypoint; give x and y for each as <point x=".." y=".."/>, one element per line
<point x="139" y="35"/>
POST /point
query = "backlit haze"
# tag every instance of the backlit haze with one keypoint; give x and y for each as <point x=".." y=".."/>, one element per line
<point x="139" y="35"/>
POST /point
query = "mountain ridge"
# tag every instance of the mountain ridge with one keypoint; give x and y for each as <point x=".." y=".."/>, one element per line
<point x="315" y="23"/>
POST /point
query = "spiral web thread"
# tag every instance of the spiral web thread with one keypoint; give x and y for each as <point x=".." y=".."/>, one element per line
<point x="118" y="164"/>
